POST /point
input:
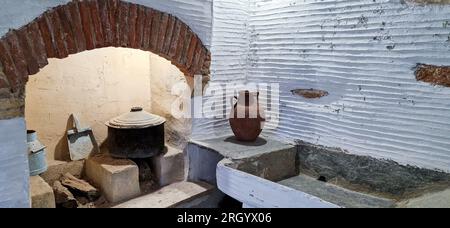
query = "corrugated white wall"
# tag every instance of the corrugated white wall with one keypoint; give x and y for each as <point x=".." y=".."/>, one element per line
<point x="14" y="170"/>
<point x="363" y="53"/>
<point x="230" y="48"/>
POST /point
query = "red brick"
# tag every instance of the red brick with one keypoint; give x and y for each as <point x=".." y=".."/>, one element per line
<point x="30" y="56"/>
<point x="206" y="68"/>
<point x="113" y="8"/>
<point x="37" y="43"/>
<point x="97" y="24"/>
<point x="3" y="83"/>
<point x="168" y="38"/>
<point x="196" y="60"/>
<point x="86" y="21"/>
<point x="199" y="67"/>
<point x="147" y="29"/>
<point x="17" y="56"/>
<point x="181" y="42"/>
<point x="185" y="47"/>
<point x="57" y="34"/>
<point x="175" y="36"/>
<point x="132" y="20"/>
<point x="76" y="24"/>
<point x="9" y="68"/>
<point x="68" y="35"/>
<point x="207" y="63"/>
<point x="140" y="26"/>
<point x="104" y="20"/>
<point x="162" y="33"/>
<point x="157" y="16"/>
<point x="191" y="50"/>
<point x="123" y="23"/>
<point x="47" y="37"/>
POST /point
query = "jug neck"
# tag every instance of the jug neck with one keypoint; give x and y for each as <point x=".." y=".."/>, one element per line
<point x="248" y="98"/>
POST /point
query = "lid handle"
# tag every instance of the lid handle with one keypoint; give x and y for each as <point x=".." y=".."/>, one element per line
<point x="137" y="109"/>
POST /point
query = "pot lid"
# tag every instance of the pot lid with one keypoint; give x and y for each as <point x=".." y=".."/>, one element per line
<point x="136" y="119"/>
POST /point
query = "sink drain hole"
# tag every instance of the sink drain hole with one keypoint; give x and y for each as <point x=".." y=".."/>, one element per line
<point x="322" y="178"/>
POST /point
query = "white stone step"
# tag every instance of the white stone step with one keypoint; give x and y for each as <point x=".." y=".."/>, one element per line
<point x="169" y="196"/>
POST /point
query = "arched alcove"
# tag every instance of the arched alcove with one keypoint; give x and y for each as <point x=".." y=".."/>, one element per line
<point x="98" y="85"/>
<point x="84" y="25"/>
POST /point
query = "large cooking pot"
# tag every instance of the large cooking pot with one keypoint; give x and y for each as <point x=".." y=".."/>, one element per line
<point x="137" y="134"/>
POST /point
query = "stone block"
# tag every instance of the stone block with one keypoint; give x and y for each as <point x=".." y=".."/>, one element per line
<point x="267" y="157"/>
<point x="41" y="193"/>
<point x="169" y="168"/>
<point x="170" y="196"/>
<point x="56" y="169"/>
<point x="117" y="178"/>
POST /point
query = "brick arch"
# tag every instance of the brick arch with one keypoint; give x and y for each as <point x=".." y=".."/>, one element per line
<point x="84" y="25"/>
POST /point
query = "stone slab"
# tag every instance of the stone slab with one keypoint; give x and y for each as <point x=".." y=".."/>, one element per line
<point x="336" y="195"/>
<point x="169" y="196"/>
<point x="232" y="149"/>
<point x="211" y="200"/>
<point x="118" y="179"/>
<point x="56" y="169"/>
<point x="169" y="168"/>
<point x="41" y="193"/>
<point x="431" y="200"/>
<point x="267" y="158"/>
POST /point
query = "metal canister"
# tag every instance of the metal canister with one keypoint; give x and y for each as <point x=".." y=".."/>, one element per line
<point x="36" y="154"/>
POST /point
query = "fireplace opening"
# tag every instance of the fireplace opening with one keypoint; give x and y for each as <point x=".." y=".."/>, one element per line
<point x="97" y="86"/>
<point x="76" y="66"/>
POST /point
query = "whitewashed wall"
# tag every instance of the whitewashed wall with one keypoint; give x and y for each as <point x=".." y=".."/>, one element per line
<point x="230" y="48"/>
<point x="16" y="13"/>
<point x="13" y="164"/>
<point x="363" y="53"/>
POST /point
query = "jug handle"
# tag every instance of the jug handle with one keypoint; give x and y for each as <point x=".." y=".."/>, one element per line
<point x="233" y="102"/>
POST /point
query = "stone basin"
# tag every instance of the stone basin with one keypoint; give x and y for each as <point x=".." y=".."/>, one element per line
<point x="271" y="173"/>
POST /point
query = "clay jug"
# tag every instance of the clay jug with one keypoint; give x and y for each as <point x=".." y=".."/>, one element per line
<point x="247" y="117"/>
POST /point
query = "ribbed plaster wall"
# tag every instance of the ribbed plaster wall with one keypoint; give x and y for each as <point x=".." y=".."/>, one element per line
<point x="363" y="52"/>
<point x="229" y="50"/>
